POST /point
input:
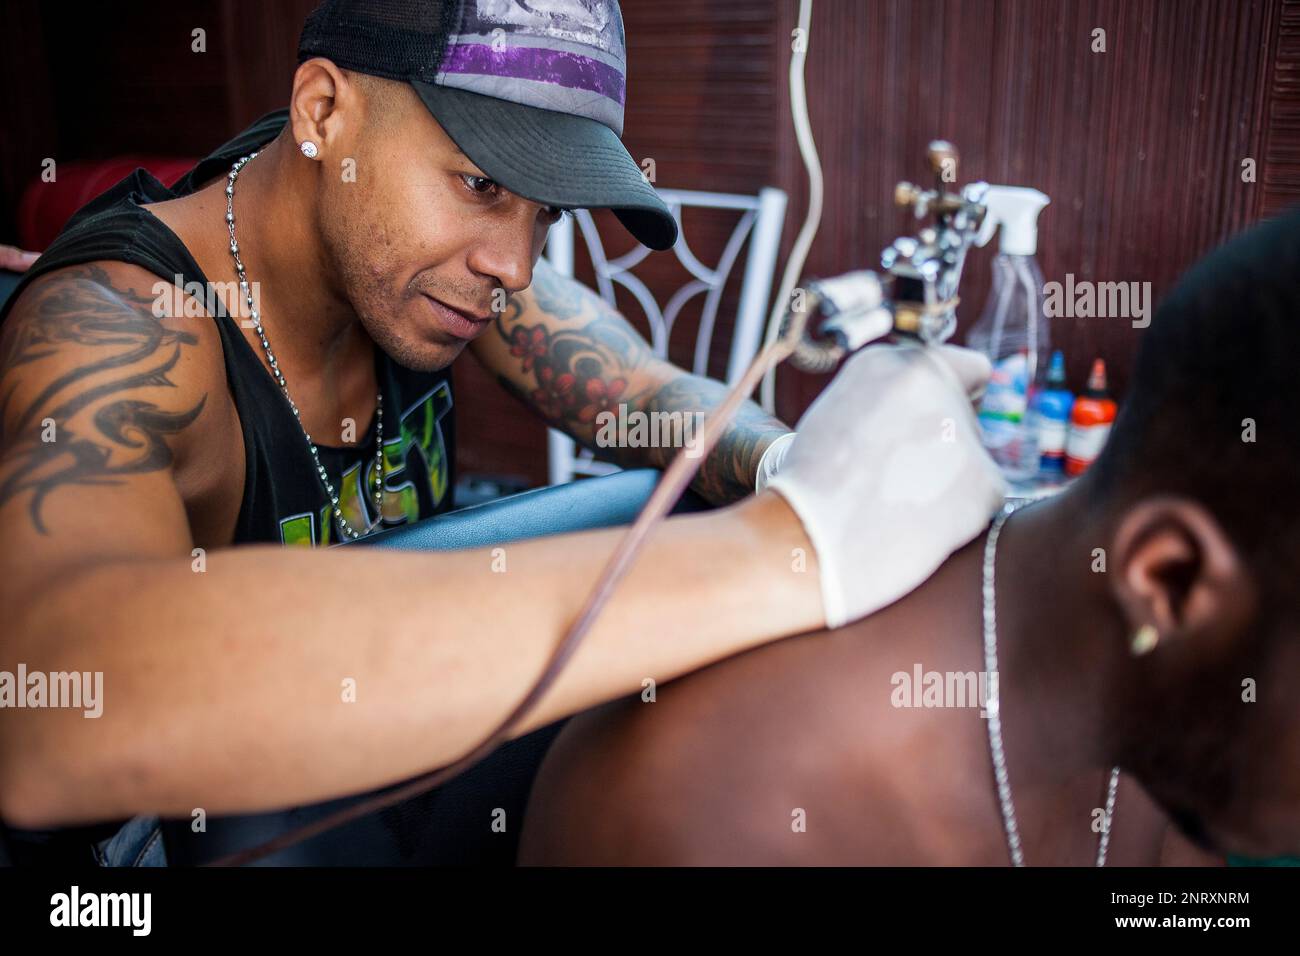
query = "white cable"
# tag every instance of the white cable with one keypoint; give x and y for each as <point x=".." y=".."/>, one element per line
<point x="807" y="150"/>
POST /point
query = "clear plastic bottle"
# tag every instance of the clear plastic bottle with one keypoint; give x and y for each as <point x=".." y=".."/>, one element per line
<point x="1013" y="332"/>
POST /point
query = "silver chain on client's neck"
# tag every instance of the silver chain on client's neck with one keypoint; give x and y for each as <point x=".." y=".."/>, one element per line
<point x="244" y="290"/>
<point x="995" y="717"/>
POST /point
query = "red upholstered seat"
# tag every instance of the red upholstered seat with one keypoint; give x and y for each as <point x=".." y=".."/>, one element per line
<point x="46" y="206"/>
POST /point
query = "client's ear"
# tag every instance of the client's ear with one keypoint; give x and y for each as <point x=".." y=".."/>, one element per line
<point x="1174" y="573"/>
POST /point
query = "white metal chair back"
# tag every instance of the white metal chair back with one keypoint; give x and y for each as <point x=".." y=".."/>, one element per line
<point x="762" y="215"/>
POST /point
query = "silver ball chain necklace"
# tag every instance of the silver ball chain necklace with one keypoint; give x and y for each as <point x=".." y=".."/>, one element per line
<point x="995" y="717"/>
<point x="377" y="483"/>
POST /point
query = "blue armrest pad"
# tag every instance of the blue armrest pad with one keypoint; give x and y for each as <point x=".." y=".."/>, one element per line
<point x="577" y="506"/>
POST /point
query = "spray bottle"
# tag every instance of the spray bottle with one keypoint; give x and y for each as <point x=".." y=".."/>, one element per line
<point x="1013" y="330"/>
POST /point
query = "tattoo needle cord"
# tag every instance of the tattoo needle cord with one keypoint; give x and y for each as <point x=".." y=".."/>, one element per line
<point x="812" y="219"/>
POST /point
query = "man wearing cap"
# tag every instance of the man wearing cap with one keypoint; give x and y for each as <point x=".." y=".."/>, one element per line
<point x="260" y="356"/>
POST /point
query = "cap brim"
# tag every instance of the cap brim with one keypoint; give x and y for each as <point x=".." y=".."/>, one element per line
<point x="552" y="158"/>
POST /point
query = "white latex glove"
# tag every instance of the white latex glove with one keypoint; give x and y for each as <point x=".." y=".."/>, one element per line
<point x="770" y="463"/>
<point x="887" y="473"/>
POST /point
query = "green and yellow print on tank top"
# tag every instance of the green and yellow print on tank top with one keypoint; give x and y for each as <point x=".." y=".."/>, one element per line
<point x="416" y="477"/>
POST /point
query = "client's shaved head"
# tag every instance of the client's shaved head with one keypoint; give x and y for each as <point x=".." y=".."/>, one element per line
<point x="1212" y="413"/>
<point x="1213" y="416"/>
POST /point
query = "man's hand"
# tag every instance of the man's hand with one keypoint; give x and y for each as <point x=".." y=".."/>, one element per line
<point x="887" y="473"/>
<point x="582" y="367"/>
<point x="16" y="260"/>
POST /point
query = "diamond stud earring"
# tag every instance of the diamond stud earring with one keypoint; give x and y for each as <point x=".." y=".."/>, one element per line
<point x="1144" y="641"/>
<point x="309" y="149"/>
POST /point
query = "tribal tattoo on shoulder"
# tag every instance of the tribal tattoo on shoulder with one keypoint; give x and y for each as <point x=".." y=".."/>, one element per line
<point x="123" y="346"/>
<point x="585" y="360"/>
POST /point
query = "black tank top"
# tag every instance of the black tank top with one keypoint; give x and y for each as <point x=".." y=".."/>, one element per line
<point x="283" y="500"/>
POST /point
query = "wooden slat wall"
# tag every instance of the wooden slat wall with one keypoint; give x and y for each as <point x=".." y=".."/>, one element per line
<point x="1140" y="148"/>
<point x="28" y="131"/>
<point x="1279" y="175"/>
<point x="99" y="81"/>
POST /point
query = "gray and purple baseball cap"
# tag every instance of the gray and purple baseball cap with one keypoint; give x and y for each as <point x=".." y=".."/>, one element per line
<point x="531" y="90"/>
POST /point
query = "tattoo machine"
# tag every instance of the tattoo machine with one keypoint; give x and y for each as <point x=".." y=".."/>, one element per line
<point x="916" y="295"/>
<point x="915" y="298"/>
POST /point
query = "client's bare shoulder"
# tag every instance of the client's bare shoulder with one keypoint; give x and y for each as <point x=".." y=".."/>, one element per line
<point x="792" y="753"/>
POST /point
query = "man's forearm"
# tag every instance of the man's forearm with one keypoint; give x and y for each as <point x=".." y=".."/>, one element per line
<point x="727" y="473"/>
<point x="578" y="363"/>
<point x="229" y="690"/>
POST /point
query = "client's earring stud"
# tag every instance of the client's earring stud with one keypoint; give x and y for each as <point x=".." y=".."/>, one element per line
<point x="309" y="149"/>
<point x="1144" y="640"/>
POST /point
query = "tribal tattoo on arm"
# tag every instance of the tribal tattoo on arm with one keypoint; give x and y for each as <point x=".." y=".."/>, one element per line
<point x="103" y="431"/>
<point x="575" y="360"/>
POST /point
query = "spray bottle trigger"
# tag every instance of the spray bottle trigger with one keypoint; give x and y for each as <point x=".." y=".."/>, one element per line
<point x="987" y="228"/>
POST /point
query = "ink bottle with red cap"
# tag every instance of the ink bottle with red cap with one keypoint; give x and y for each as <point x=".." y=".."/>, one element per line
<point x="1090" y="421"/>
